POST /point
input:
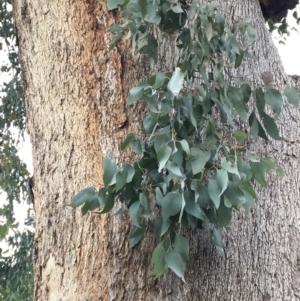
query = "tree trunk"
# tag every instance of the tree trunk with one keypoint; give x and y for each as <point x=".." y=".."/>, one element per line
<point x="75" y="91"/>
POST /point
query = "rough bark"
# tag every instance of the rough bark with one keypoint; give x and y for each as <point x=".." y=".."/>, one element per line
<point x="75" y="91"/>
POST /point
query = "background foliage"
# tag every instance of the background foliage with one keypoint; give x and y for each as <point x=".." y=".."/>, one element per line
<point x="16" y="270"/>
<point x="282" y="28"/>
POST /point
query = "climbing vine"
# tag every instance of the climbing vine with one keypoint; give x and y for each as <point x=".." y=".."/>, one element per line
<point x="193" y="163"/>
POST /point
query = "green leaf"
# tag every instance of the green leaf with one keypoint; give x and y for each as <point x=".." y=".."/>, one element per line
<point x="3" y="231"/>
<point x="260" y="101"/>
<point x="239" y="59"/>
<point x="253" y="122"/>
<point x="212" y="7"/>
<point x="161" y="227"/>
<point x="259" y="171"/>
<point x="158" y="196"/>
<point x="143" y="5"/>
<point x="181" y="246"/>
<point x="175" y="170"/>
<point x="135" y="94"/>
<point x="158" y="261"/>
<point x="234" y="44"/>
<point x="292" y="95"/>
<point x="135" y="240"/>
<point x="90" y="205"/>
<point x="130" y="172"/>
<point x="137" y="232"/>
<point x="249" y="36"/>
<point x="219" y="24"/>
<point x="136" y="146"/>
<point x="240" y="136"/>
<point x="222" y="180"/>
<point x="224" y="215"/>
<point x="135" y="212"/>
<point x="163" y="155"/>
<point x="261" y="132"/>
<point x="112" y="4"/>
<point x="236" y="98"/>
<point x="251" y="156"/>
<point x="256" y="128"/>
<point x="250" y="201"/>
<point x="234" y="195"/>
<point x="150" y="122"/>
<point x="110" y="170"/>
<point x="127" y="141"/>
<point x="176" y="81"/>
<point x="152" y="16"/>
<point x="214" y="192"/>
<point x="171" y="204"/>
<point x="150" y="49"/>
<point x="161" y="139"/>
<point x="185" y="146"/>
<point x="217" y="240"/>
<point x="160" y="79"/>
<point x="271" y="127"/>
<point x="199" y="159"/>
<point x="206" y="25"/>
<point x="274" y="100"/>
<point x="83" y="196"/>
<point x="268" y="163"/>
<point x="118" y="32"/>
<point x="121" y="179"/>
<point x="193" y="209"/>
<point x="107" y="201"/>
<point x="229" y="166"/>
<point x="192" y="12"/>
<point x="177" y="9"/>
<point x="246" y="91"/>
<point x="175" y="263"/>
<point x="246" y="186"/>
<point x="144" y="201"/>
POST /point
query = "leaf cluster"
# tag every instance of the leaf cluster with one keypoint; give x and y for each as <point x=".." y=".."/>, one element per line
<point x="193" y="165"/>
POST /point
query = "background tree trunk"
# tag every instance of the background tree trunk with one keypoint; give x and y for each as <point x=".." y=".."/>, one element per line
<point x="75" y="92"/>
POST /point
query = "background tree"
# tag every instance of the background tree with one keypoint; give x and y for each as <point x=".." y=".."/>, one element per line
<point x="16" y="270"/>
<point x="75" y="91"/>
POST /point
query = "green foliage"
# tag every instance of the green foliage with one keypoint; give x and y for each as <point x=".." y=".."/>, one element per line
<point x="186" y="167"/>
<point x="13" y="172"/>
<point x="12" y="105"/>
<point x="16" y="270"/>
<point x="16" y="276"/>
